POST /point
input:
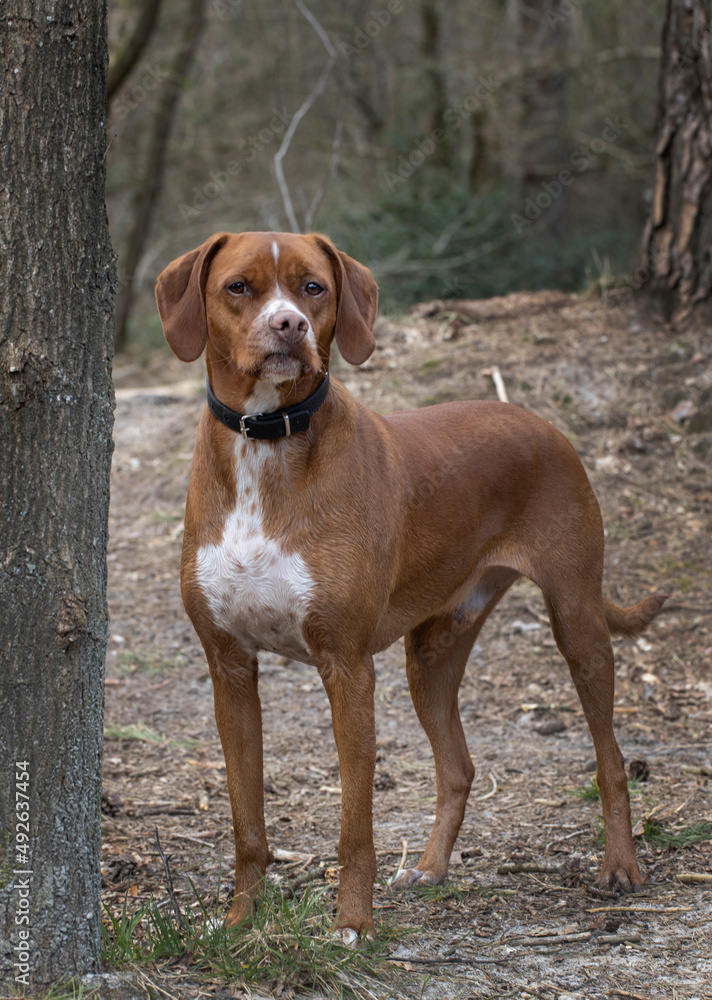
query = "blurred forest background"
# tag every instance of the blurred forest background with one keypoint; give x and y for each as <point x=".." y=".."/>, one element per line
<point x="459" y="149"/>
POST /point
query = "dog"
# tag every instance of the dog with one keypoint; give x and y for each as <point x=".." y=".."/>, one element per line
<point x="319" y="530"/>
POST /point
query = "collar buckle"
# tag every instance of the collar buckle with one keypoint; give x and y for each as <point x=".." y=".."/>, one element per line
<point x="244" y="429"/>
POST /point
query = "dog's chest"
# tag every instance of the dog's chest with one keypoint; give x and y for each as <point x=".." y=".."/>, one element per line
<point x="256" y="590"/>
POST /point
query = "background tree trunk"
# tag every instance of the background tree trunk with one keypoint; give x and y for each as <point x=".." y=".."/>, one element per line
<point x="152" y="181"/>
<point x="434" y="69"/>
<point x="56" y="403"/>
<point x="677" y="243"/>
<point x="139" y="38"/>
<point x="542" y="42"/>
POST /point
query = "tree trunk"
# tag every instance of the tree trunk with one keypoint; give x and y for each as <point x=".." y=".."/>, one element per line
<point x="542" y="42"/>
<point x="56" y="403"/>
<point x="432" y="63"/>
<point x="677" y="244"/>
<point x="150" y="185"/>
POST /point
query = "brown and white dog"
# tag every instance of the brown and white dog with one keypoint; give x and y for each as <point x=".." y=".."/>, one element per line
<point x="319" y="530"/>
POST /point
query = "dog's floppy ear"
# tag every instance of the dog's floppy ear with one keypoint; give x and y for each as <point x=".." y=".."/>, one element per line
<point x="357" y="304"/>
<point x="180" y="296"/>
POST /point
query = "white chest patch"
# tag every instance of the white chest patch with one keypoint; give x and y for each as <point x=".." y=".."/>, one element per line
<point x="255" y="590"/>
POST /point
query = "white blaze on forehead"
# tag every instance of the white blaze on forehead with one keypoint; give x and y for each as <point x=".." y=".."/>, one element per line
<point x="275" y="254"/>
<point x="277" y="301"/>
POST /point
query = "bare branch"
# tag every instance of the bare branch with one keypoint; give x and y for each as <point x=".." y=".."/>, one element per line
<point x="310" y="213"/>
<point x="306" y="106"/>
<point x="401" y="264"/>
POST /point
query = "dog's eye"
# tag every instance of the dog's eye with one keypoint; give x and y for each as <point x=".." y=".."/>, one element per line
<point x="313" y="288"/>
<point x="237" y="288"/>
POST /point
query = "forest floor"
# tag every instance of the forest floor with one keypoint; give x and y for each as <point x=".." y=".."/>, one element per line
<point x="636" y="400"/>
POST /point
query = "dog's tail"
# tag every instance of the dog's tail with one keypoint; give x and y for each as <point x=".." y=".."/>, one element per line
<point x="630" y="621"/>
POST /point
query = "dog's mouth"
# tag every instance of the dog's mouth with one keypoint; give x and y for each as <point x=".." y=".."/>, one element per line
<point x="284" y="367"/>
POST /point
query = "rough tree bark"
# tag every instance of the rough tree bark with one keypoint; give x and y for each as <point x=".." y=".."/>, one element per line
<point x="56" y="415"/>
<point x="149" y="188"/>
<point x="677" y="243"/>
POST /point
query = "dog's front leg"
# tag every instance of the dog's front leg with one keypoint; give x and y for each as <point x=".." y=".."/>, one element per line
<point x="349" y="684"/>
<point x="238" y="715"/>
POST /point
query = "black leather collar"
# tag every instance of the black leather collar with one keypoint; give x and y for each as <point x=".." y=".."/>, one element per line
<point x="269" y="426"/>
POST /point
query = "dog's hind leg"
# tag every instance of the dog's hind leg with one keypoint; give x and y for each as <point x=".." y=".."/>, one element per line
<point x="436" y="656"/>
<point x="578" y="621"/>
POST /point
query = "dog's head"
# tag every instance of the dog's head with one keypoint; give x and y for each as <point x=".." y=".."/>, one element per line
<point x="269" y="303"/>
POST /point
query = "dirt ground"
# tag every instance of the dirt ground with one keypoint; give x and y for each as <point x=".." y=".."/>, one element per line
<point x="636" y="400"/>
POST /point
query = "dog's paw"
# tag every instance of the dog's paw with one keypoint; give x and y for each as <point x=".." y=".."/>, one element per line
<point x="350" y="938"/>
<point x="241" y="912"/>
<point x="617" y="880"/>
<point x="414" y="876"/>
<point x="346" y="936"/>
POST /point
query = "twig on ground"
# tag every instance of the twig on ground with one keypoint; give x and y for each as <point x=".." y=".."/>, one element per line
<point x="499" y="385"/>
<point x="169" y="880"/>
<point x="705" y="772"/>
<point x="630" y="996"/>
<point x="640" y="909"/>
<point x="160" y="811"/>
<point x="515" y="868"/>
<point x="187" y="836"/>
<point x="548" y="939"/>
<point x="618" y="939"/>
<point x="152" y="984"/>
<point x="289" y="856"/>
<point x="493" y="791"/>
<point x="310" y="875"/>
<point x="404" y="855"/>
<point x="450" y="960"/>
